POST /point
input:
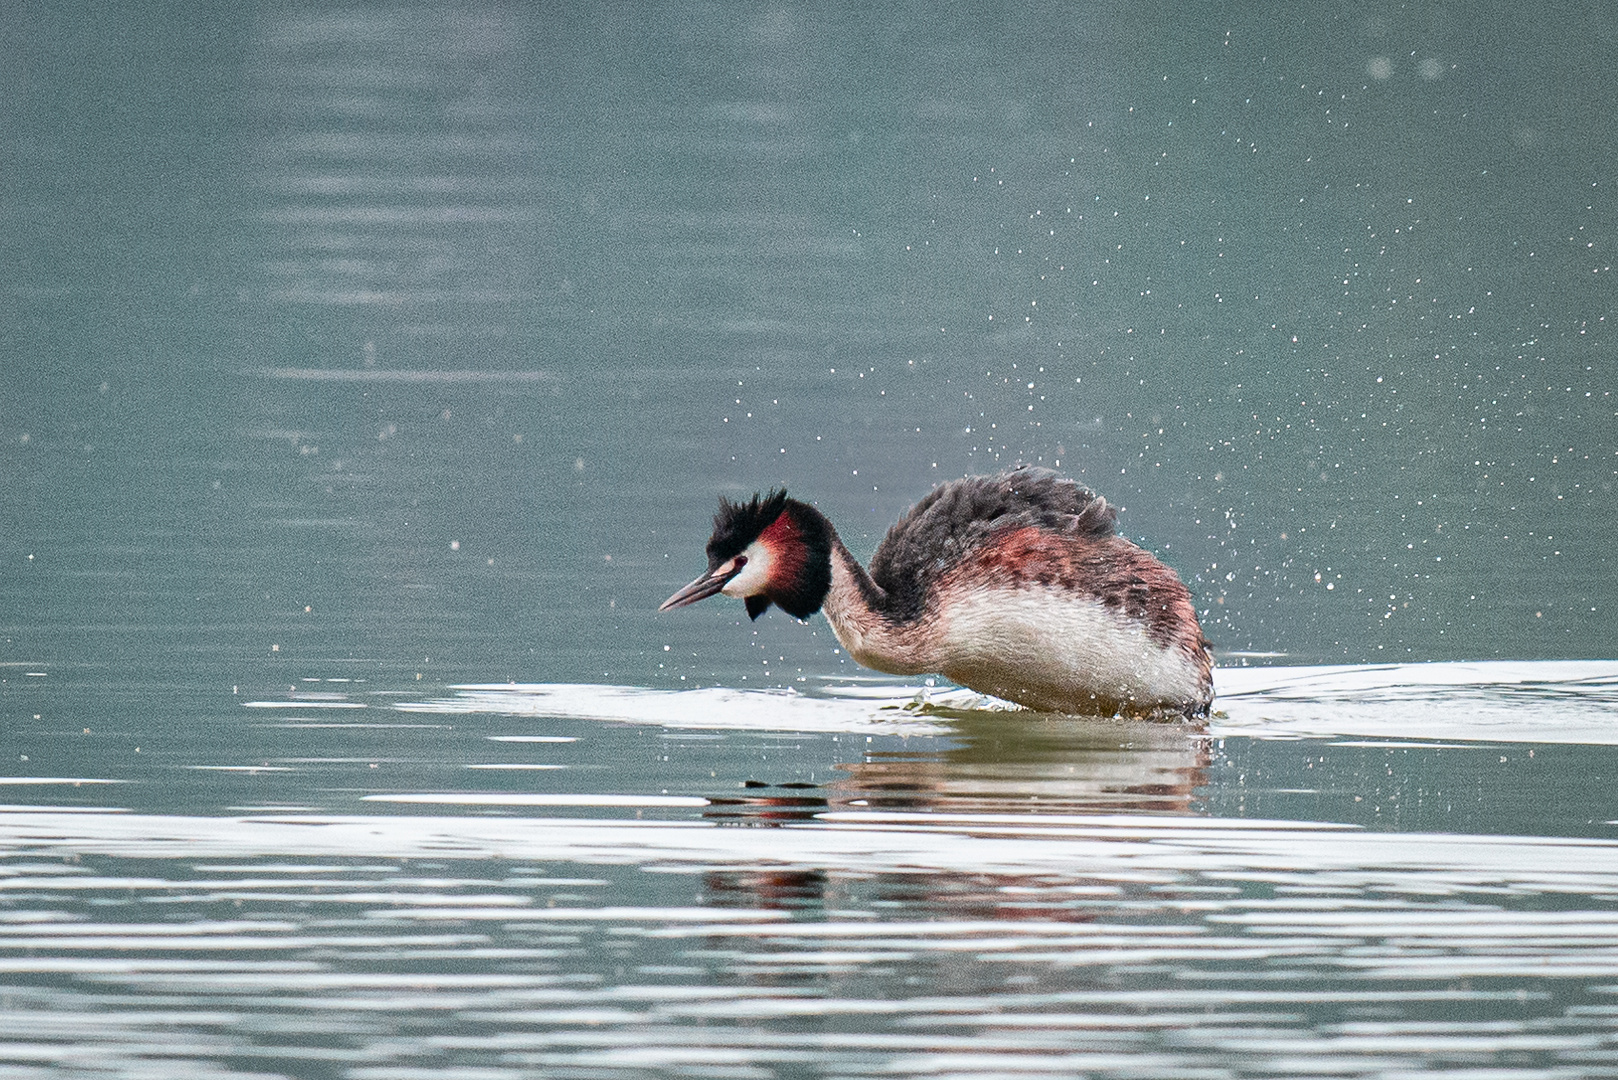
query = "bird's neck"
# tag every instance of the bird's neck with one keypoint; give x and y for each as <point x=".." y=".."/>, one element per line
<point x="856" y="607"/>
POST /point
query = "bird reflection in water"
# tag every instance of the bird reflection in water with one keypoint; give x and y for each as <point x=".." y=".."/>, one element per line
<point x="995" y="762"/>
<point x="989" y="763"/>
<point x="1000" y="763"/>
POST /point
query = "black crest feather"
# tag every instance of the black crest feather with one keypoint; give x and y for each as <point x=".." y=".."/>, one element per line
<point x="739" y="523"/>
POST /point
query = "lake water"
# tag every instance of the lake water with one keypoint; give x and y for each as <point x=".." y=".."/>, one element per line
<point x="367" y="378"/>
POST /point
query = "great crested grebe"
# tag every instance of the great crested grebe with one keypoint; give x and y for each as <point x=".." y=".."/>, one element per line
<point x="1016" y="585"/>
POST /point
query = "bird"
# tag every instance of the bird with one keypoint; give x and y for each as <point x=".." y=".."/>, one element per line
<point x="1016" y="585"/>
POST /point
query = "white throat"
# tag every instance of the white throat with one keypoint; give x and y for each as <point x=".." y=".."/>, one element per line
<point x="755" y="574"/>
<point x="871" y="640"/>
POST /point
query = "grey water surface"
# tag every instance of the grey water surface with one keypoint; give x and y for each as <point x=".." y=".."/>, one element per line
<point x="368" y="375"/>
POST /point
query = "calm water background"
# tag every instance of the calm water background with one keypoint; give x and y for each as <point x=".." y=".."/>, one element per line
<point x="353" y="357"/>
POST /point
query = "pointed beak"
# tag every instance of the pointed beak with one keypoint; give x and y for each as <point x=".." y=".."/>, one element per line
<point x="702" y="588"/>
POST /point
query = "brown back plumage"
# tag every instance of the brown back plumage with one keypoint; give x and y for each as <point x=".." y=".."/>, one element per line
<point x="956" y="518"/>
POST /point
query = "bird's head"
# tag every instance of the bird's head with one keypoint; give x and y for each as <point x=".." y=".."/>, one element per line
<point x="769" y="549"/>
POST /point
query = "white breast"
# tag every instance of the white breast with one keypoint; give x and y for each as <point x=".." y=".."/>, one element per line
<point x="1047" y="649"/>
<point x="1041" y="647"/>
